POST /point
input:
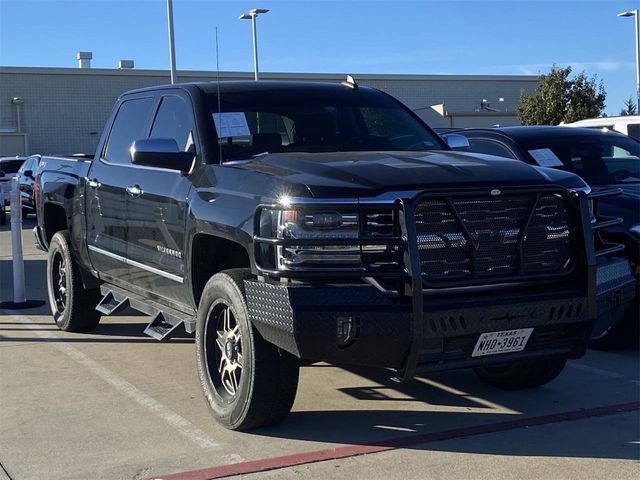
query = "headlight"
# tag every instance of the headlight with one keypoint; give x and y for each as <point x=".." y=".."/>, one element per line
<point x="301" y="224"/>
<point x="325" y="237"/>
<point x="325" y="225"/>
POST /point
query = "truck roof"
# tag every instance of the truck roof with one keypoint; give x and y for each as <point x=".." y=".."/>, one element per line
<point x="237" y="86"/>
<point x="536" y="131"/>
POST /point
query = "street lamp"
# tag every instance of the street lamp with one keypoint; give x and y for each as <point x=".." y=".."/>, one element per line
<point x="251" y="15"/>
<point x="172" y="43"/>
<point x="634" y="13"/>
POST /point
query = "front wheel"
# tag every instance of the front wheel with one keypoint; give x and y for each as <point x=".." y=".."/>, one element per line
<point x="72" y="305"/>
<point x="522" y="374"/>
<point x="247" y="382"/>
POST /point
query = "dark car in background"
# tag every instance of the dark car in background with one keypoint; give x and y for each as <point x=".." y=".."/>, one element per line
<point x="9" y="167"/>
<point x="605" y="160"/>
<point x="26" y="176"/>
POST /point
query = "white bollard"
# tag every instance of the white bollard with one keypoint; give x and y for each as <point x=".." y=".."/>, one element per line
<point x="19" y="295"/>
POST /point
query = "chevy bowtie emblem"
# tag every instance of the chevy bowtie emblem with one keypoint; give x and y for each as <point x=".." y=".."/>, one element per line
<point x="495" y="192"/>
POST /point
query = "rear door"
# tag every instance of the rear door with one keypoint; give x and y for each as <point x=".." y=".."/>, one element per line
<point x="157" y="210"/>
<point x="106" y="197"/>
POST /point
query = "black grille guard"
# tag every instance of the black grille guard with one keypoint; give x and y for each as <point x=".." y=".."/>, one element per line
<point x="603" y="247"/>
<point x="407" y="241"/>
<point x="407" y="238"/>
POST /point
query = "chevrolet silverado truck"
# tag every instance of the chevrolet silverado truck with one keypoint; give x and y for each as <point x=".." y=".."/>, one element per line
<point x="280" y="221"/>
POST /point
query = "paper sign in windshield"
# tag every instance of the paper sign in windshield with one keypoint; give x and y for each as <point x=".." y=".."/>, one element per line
<point x="545" y="157"/>
<point x="231" y="124"/>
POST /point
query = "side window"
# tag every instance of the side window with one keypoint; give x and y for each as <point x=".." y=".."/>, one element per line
<point x="11" y="166"/>
<point x="27" y="165"/>
<point x="129" y="125"/>
<point x="633" y="130"/>
<point x="490" y="147"/>
<point x="173" y="121"/>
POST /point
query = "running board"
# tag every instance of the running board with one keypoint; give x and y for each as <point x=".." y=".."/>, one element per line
<point x="165" y="320"/>
<point x="110" y="305"/>
<point x="162" y="326"/>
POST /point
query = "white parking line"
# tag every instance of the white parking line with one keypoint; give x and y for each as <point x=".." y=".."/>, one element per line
<point x="601" y="372"/>
<point x="181" y="424"/>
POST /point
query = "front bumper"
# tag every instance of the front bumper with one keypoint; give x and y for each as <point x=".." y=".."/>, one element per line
<point x="356" y="324"/>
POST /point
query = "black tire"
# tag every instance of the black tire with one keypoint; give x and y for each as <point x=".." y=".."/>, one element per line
<point x="247" y="382"/>
<point x="523" y="374"/>
<point x="25" y="213"/>
<point x="624" y="333"/>
<point x="3" y="216"/>
<point x="72" y="305"/>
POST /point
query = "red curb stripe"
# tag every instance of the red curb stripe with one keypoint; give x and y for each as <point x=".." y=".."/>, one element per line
<point x="284" y="461"/>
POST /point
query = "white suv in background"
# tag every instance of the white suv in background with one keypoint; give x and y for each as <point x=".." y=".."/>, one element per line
<point x="629" y="124"/>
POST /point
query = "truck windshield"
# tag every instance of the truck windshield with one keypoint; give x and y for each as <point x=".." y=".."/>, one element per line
<point x="599" y="160"/>
<point x="247" y="127"/>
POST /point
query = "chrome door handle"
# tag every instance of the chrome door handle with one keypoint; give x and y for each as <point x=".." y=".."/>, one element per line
<point x="93" y="183"/>
<point x="134" y="190"/>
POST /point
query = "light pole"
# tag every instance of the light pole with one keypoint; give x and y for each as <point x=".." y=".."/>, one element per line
<point x="172" y="43"/>
<point x="251" y="15"/>
<point x="634" y="13"/>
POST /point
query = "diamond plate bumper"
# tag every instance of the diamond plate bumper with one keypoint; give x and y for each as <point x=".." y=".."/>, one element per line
<point x="358" y="325"/>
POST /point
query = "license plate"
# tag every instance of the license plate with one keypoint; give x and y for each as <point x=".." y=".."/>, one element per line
<point x="492" y="343"/>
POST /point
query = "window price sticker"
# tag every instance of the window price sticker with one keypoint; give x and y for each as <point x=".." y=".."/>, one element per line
<point x="545" y="157"/>
<point x="231" y="124"/>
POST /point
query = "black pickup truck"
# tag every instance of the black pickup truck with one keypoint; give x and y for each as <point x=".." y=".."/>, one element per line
<point x="281" y="221"/>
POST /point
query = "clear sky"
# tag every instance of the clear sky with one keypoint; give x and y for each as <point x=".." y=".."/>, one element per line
<point x="347" y="36"/>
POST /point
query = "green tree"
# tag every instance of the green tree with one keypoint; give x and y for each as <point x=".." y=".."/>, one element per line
<point x="630" y="107"/>
<point x="559" y="98"/>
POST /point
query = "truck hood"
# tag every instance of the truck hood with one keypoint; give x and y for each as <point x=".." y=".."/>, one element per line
<point x="369" y="173"/>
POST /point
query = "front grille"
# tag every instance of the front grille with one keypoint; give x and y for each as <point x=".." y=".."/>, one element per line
<point x="485" y="238"/>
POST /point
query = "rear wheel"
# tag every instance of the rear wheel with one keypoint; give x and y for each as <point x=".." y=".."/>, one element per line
<point x="247" y="381"/>
<point x="522" y="374"/>
<point x="72" y="305"/>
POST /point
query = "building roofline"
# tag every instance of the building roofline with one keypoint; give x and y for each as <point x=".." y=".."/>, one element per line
<point x="264" y="75"/>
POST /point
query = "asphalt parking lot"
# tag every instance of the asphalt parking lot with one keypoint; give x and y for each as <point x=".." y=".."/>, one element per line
<point x="115" y="404"/>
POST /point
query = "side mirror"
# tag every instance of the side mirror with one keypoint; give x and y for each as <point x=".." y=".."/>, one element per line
<point x="161" y="153"/>
<point x="28" y="173"/>
<point x="456" y="141"/>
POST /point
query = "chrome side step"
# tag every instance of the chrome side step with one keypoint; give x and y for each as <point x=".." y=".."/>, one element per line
<point x="110" y="304"/>
<point x="162" y="326"/>
<point x="165" y="322"/>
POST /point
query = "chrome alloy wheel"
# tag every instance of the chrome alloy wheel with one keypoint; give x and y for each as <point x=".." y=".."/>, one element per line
<point x="228" y="348"/>
<point x="59" y="283"/>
